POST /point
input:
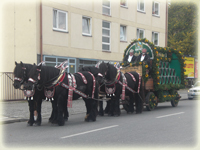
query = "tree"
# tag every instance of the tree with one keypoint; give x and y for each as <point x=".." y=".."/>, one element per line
<point x="182" y="26"/>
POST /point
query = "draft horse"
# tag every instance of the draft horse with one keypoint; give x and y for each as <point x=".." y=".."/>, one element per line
<point x="21" y="71"/>
<point x="119" y="85"/>
<point x="100" y="80"/>
<point x="21" y="75"/>
<point x="66" y="87"/>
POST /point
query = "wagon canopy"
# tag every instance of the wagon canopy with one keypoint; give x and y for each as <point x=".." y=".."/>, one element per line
<point x="137" y="48"/>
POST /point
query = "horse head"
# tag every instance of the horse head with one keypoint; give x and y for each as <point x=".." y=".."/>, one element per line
<point x="19" y="75"/>
<point x="103" y="68"/>
<point x="42" y="76"/>
<point x="34" y="77"/>
<point x="108" y="71"/>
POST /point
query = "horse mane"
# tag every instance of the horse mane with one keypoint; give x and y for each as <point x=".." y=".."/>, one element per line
<point x="91" y="69"/>
<point x="111" y="73"/>
<point x="28" y="67"/>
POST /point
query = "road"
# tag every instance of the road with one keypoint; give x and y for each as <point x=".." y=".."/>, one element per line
<point x="166" y="126"/>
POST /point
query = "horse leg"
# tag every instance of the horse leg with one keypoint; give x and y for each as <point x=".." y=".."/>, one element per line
<point x="101" y="113"/>
<point x="131" y="100"/>
<point x="91" y="106"/>
<point x="107" y="109"/>
<point x="60" y="117"/>
<point x="139" y="100"/>
<point x="93" y="113"/>
<point x="117" y="111"/>
<point x="88" y="108"/>
<point x="138" y="104"/>
<point x="31" y="110"/>
<point x="66" y="114"/>
<point x="39" y="117"/>
<point x="54" y="112"/>
<point x="112" y="106"/>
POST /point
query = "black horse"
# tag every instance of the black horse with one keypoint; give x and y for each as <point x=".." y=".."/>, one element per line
<point x="116" y="82"/>
<point x="100" y="80"/>
<point x="21" y="77"/>
<point x="21" y="71"/>
<point x="46" y="75"/>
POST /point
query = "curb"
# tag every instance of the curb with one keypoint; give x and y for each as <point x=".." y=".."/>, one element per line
<point x="13" y="120"/>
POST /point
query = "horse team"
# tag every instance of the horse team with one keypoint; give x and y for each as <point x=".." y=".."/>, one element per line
<point x="61" y="88"/>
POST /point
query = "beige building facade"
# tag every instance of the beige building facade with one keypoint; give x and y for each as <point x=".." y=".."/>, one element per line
<point x="82" y="32"/>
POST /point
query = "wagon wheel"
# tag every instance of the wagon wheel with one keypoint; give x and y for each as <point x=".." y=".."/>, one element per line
<point x="151" y="101"/>
<point x="175" y="101"/>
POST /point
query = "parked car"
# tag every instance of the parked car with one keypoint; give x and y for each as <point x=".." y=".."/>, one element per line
<point x="194" y="91"/>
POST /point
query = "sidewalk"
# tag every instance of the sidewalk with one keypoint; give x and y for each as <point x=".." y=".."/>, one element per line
<point x="18" y="111"/>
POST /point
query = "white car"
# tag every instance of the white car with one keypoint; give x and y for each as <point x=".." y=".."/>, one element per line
<point x="194" y="91"/>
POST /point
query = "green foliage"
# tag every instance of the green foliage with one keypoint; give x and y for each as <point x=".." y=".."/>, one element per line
<point x="182" y="26"/>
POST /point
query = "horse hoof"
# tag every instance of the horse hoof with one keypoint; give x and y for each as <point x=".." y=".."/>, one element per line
<point x="101" y="114"/>
<point x="30" y="123"/>
<point x="110" y="114"/>
<point x="61" y="123"/>
<point x="90" y="120"/>
<point x="38" y="123"/>
<point x="87" y="120"/>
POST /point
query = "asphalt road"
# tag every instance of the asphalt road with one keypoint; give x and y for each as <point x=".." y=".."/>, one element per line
<point x="164" y="127"/>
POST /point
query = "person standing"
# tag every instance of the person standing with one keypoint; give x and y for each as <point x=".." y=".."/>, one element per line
<point x="146" y="58"/>
<point x="143" y="56"/>
<point x="131" y="57"/>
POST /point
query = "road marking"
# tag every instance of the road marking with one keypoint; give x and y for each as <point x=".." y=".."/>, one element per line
<point x="170" y="115"/>
<point x="88" y="131"/>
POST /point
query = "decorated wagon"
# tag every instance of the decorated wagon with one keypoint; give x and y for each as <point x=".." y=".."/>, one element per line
<point x="162" y="77"/>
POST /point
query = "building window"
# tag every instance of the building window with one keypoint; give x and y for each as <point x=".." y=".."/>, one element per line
<point x="56" y="61"/>
<point x="122" y="33"/>
<point x="86" y="26"/>
<point x="140" y="33"/>
<point x="140" y="5"/>
<point x="155" y="37"/>
<point x="123" y="3"/>
<point x="155" y="8"/>
<point x="106" y="7"/>
<point x="60" y="20"/>
<point x="86" y="63"/>
<point x="106" y="36"/>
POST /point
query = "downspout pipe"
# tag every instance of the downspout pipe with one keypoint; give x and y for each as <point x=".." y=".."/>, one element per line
<point x="166" y="24"/>
<point x="41" y="50"/>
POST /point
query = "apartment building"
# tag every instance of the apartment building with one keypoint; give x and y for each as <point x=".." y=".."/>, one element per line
<point x="80" y="31"/>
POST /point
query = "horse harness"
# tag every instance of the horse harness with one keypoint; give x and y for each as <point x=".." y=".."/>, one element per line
<point x="110" y="88"/>
<point x="49" y="91"/>
<point x="72" y="87"/>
